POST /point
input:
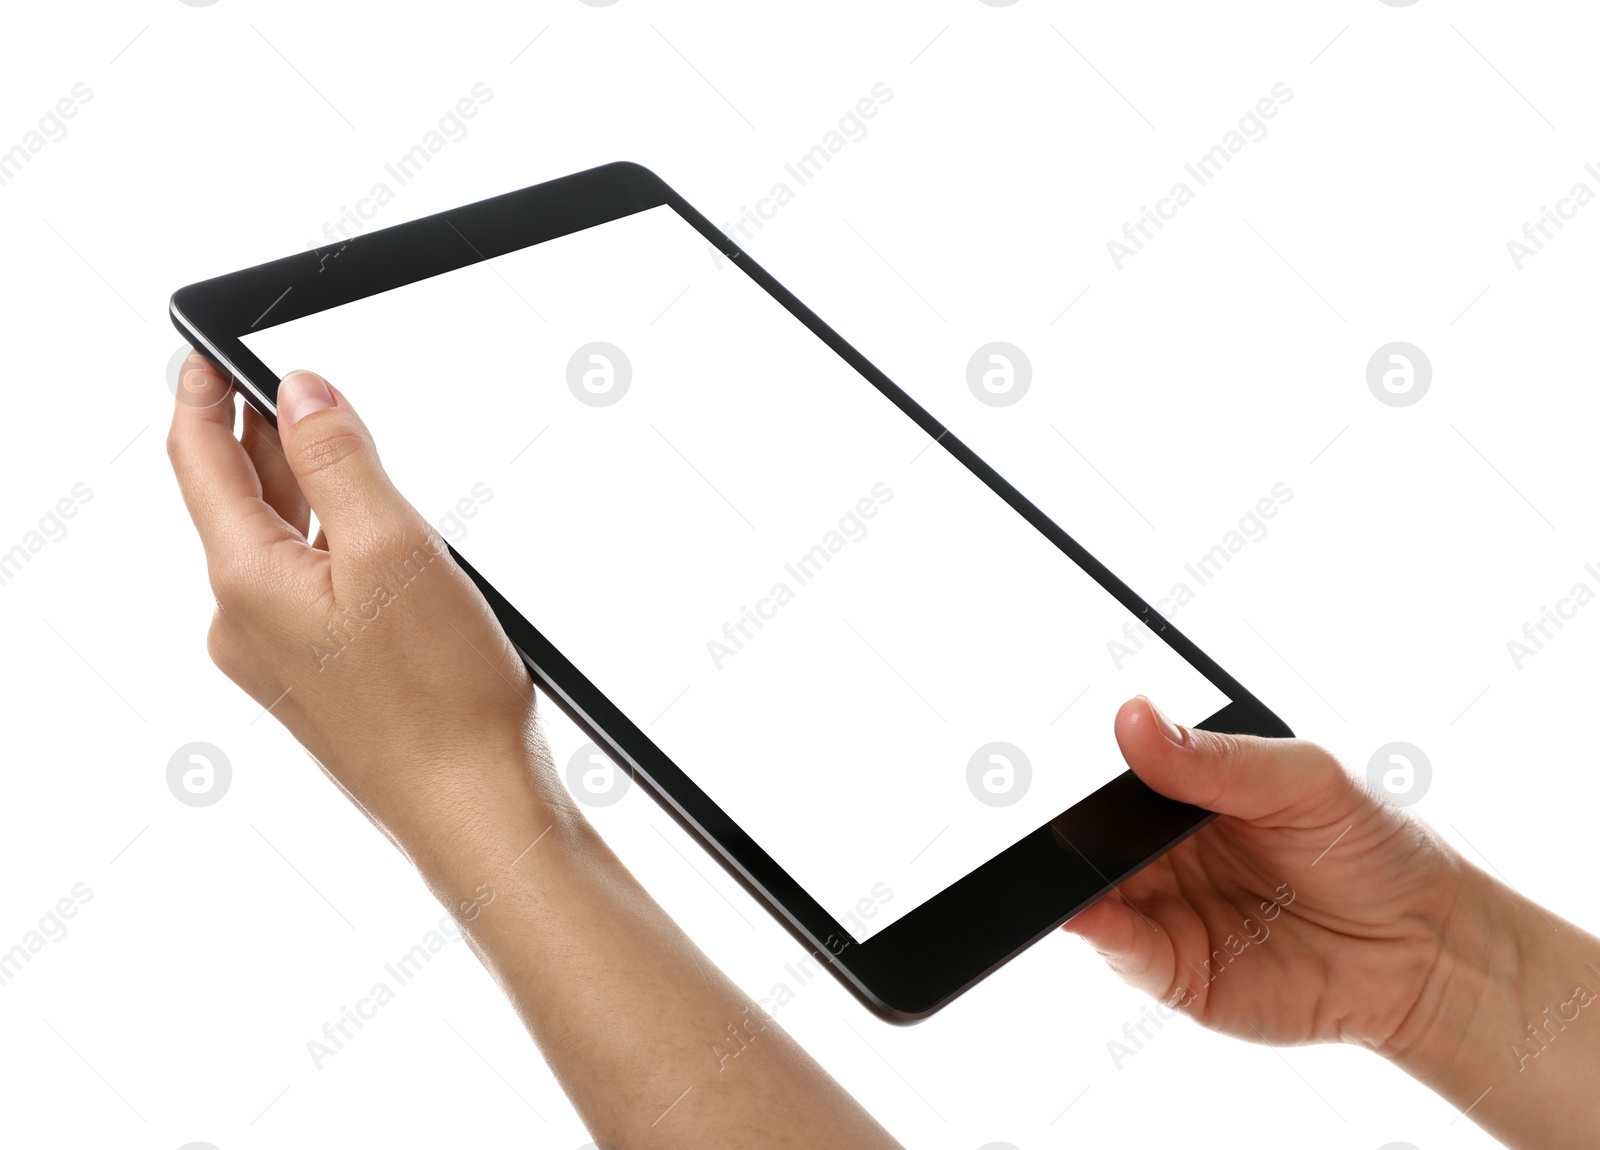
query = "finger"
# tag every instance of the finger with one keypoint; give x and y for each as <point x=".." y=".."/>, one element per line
<point x="218" y="481"/>
<point x="1279" y="781"/>
<point x="196" y="382"/>
<point x="1133" y="946"/>
<point x="335" y="462"/>
<point x="279" y="488"/>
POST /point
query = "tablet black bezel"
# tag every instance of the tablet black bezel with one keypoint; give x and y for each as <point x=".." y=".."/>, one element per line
<point x="924" y="960"/>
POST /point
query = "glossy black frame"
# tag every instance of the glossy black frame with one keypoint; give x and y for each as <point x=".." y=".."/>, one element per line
<point x="921" y="962"/>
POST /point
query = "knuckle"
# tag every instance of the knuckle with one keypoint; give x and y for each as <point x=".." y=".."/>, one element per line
<point x="395" y="542"/>
<point x="1325" y="761"/>
<point x="1329" y="774"/>
<point x="327" y="445"/>
<point x="1224" y="746"/>
<point x="376" y="543"/>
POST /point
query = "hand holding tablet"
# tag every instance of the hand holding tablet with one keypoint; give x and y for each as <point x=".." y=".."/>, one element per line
<point x="1307" y="911"/>
<point x="862" y="669"/>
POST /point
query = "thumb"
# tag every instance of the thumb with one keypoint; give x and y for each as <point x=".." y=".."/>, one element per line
<point x="1275" y="781"/>
<point x="332" y="455"/>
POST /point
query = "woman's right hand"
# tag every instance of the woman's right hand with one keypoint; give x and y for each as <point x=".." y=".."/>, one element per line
<point x="1312" y="911"/>
<point x="1309" y="911"/>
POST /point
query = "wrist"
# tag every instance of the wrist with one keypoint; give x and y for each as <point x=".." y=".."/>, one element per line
<point x="1501" y="989"/>
<point x="485" y="818"/>
<point x="1470" y="985"/>
<point x="1507" y="1030"/>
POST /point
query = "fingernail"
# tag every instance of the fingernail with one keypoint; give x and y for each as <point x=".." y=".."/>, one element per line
<point x="299" y="394"/>
<point x="1170" y="730"/>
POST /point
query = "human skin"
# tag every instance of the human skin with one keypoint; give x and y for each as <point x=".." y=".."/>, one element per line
<point x="421" y="712"/>
<point x="1373" y="930"/>
<point x="1391" y="940"/>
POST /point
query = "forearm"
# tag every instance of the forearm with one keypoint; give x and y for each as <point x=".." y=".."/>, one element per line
<point x="1511" y="1034"/>
<point x="645" y="1034"/>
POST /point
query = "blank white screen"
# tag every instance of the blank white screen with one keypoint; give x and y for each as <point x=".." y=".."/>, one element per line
<point x="830" y="707"/>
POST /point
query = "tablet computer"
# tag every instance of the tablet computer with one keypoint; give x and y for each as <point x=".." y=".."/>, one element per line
<point x="868" y="675"/>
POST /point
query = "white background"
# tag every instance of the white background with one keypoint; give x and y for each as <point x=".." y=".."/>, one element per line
<point x="1168" y="397"/>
